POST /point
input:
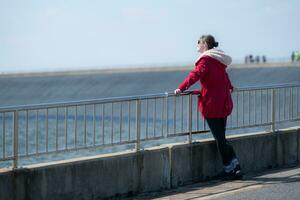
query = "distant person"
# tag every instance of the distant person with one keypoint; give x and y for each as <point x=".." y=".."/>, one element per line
<point x="214" y="101"/>
<point x="246" y="59"/>
<point x="296" y="56"/>
<point x="257" y="60"/>
<point x="251" y="58"/>
<point x="264" y="59"/>
<point x="293" y="56"/>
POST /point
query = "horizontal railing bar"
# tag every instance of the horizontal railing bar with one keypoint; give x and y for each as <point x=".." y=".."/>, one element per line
<point x="272" y="86"/>
<point x="250" y="126"/>
<point x="88" y="147"/>
<point x="76" y="149"/>
<point x="152" y="138"/>
<point x="187" y="133"/>
<point x="288" y="120"/>
<point x="10" y="158"/>
<point x="82" y="148"/>
<point x="62" y="104"/>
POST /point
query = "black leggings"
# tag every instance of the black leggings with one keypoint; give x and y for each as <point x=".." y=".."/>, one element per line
<point x="218" y="127"/>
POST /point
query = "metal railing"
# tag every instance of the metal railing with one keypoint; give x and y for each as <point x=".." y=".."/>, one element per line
<point x="33" y="130"/>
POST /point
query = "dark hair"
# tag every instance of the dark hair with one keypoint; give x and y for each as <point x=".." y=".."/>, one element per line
<point x="210" y="41"/>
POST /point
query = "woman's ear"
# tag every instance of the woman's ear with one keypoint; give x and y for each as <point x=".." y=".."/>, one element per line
<point x="206" y="46"/>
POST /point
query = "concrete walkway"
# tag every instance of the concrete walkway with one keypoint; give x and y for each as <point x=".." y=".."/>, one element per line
<point x="272" y="184"/>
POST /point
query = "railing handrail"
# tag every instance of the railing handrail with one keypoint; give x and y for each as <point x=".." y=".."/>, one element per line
<point x="125" y="98"/>
<point x="271" y="86"/>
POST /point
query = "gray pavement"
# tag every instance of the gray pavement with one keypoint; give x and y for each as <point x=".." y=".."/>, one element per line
<point x="21" y="90"/>
<point x="272" y="184"/>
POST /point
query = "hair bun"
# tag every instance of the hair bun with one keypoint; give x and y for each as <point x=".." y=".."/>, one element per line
<point x="216" y="44"/>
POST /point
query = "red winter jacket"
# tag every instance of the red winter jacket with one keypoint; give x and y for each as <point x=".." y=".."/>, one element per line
<point x="214" y="100"/>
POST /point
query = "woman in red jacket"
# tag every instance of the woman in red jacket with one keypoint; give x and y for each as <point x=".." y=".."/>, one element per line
<point x="214" y="101"/>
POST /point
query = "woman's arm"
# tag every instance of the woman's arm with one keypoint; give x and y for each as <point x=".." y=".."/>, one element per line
<point x="229" y="82"/>
<point x="200" y="71"/>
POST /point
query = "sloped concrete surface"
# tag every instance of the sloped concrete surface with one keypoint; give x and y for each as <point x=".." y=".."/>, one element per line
<point x="43" y="88"/>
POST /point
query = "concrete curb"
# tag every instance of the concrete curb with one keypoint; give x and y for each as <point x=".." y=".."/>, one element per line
<point x="155" y="169"/>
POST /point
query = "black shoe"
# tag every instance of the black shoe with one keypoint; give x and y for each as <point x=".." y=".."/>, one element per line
<point x="237" y="167"/>
<point x="237" y="172"/>
<point x="238" y="175"/>
<point x="232" y="175"/>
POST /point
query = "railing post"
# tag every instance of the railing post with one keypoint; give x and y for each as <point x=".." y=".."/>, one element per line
<point x="190" y="118"/>
<point x="15" y="142"/>
<point x="273" y="110"/>
<point x="138" y="125"/>
<point x="166" y="114"/>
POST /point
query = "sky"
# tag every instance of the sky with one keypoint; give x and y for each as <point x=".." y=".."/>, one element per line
<point x="63" y="34"/>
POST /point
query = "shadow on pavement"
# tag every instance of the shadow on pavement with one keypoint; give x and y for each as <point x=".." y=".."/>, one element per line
<point x="215" y="188"/>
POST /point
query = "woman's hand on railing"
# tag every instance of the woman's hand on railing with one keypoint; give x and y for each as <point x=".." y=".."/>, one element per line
<point x="177" y="91"/>
<point x="187" y="92"/>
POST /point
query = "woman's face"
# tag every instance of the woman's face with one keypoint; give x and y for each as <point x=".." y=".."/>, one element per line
<point x="201" y="46"/>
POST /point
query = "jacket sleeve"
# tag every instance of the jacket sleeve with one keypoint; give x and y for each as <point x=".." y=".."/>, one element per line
<point x="200" y="71"/>
<point x="229" y="82"/>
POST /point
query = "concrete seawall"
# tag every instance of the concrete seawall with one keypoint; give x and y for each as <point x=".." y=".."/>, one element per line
<point x="125" y="174"/>
<point x="114" y="70"/>
<point x="60" y="86"/>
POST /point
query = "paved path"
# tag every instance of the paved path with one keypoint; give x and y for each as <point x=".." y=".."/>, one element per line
<point x="274" y="184"/>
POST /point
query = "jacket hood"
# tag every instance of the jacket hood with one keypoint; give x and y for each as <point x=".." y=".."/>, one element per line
<point x="218" y="55"/>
